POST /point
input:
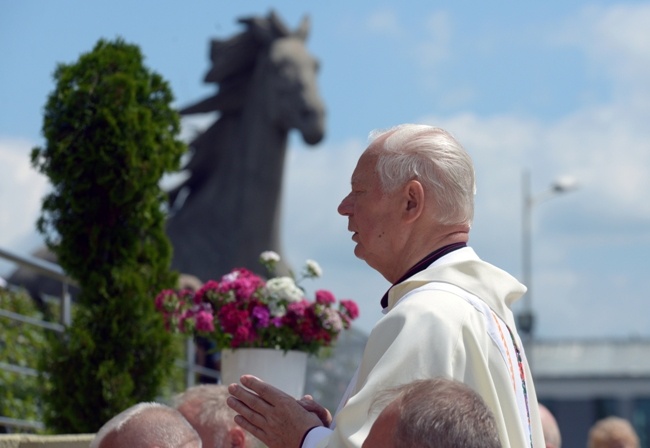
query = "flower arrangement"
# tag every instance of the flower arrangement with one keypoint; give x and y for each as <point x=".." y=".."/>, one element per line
<point x="245" y="310"/>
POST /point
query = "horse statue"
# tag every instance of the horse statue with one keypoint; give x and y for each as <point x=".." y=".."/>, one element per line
<point x="228" y="210"/>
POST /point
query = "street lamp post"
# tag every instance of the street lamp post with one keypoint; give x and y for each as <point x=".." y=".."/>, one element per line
<point x="526" y="318"/>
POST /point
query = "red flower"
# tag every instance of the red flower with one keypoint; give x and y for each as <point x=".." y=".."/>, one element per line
<point x="325" y="297"/>
<point x="242" y="282"/>
<point x="204" y="321"/>
<point x="210" y="285"/>
<point x="350" y="308"/>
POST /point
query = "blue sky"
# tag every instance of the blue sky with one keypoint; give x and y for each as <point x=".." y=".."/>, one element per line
<point x="557" y="88"/>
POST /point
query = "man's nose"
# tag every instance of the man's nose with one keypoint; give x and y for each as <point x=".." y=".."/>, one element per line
<point x="345" y="207"/>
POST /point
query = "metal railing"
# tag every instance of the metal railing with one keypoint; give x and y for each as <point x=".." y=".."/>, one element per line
<point x="50" y="270"/>
<point x="55" y="272"/>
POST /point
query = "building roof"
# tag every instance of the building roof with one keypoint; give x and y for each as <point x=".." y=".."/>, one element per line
<point x="590" y="358"/>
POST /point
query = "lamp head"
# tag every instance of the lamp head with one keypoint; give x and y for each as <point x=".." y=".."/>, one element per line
<point x="564" y="184"/>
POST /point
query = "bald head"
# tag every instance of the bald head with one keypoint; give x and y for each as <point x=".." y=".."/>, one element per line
<point x="550" y="428"/>
<point x="147" y="425"/>
<point x="204" y="407"/>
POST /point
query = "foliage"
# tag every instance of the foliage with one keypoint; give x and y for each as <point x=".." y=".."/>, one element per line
<point x="19" y="346"/>
<point x="110" y="136"/>
<point x="244" y="310"/>
<point x="177" y="380"/>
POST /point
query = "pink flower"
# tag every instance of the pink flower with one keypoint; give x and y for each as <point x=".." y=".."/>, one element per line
<point x="350" y="308"/>
<point x="242" y="282"/>
<point x="204" y="321"/>
<point x="325" y="297"/>
<point x="298" y="308"/>
<point x="202" y="294"/>
<point x="231" y="317"/>
<point x="242" y="335"/>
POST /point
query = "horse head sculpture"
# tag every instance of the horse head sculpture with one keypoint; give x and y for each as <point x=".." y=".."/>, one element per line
<point x="228" y="210"/>
<point x="286" y="73"/>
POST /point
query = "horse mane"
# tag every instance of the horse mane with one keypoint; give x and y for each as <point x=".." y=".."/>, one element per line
<point x="233" y="60"/>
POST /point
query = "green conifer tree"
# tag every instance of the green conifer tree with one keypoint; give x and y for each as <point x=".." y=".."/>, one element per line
<point x="110" y="136"/>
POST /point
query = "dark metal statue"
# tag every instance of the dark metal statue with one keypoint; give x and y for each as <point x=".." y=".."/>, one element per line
<point x="228" y="211"/>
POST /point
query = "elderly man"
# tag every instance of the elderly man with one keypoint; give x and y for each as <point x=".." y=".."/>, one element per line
<point x="433" y="413"/>
<point x="147" y="425"/>
<point x="446" y="314"/>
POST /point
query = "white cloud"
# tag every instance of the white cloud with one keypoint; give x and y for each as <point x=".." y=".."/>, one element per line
<point x="193" y="125"/>
<point x="435" y="48"/>
<point x="316" y="180"/>
<point x="384" y="22"/>
<point x="454" y="98"/>
<point x="616" y="39"/>
<point x="21" y="191"/>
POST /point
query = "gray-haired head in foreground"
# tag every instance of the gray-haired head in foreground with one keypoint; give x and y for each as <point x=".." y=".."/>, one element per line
<point x="145" y="425"/>
<point x="204" y="406"/>
<point x="441" y="413"/>
<point x="437" y="160"/>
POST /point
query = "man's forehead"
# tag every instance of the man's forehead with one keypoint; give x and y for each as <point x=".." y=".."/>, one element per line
<point x="366" y="166"/>
<point x="363" y="178"/>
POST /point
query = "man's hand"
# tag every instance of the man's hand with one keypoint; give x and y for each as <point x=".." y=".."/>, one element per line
<point x="310" y="405"/>
<point x="274" y="417"/>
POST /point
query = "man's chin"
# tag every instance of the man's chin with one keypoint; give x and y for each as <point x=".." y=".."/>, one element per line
<point x="358" y="252"/>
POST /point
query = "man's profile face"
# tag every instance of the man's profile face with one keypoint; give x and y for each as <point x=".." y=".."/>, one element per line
<point x="382" y="433"/>
<point x="372" y="215"/>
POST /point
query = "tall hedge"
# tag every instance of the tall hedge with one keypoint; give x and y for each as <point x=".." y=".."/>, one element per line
<point x="110" y="135"/>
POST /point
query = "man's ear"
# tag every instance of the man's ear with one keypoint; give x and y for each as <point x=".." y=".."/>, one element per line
<point x="414" y="195"/>
<point x="237" y="437"/>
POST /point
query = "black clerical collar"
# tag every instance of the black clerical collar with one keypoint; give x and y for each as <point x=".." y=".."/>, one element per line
<point x="422" y="265"/>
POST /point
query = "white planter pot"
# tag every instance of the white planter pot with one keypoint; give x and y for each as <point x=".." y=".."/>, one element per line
<point x="286" y="371"/>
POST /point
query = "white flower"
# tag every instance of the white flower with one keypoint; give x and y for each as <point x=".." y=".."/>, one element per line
<point x="269" y="257"/>
<point x="230" y="277"/>
<point x="279" y="291"/>
<point x="284" y="288"/>
<point x="312" y="269"/>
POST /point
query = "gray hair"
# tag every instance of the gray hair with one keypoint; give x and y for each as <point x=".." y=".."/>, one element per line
<point x="207" y="402"/>
<point x="148" y="424"/>
<point x="435" y="158"/>
<point x="440" y="413"/>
